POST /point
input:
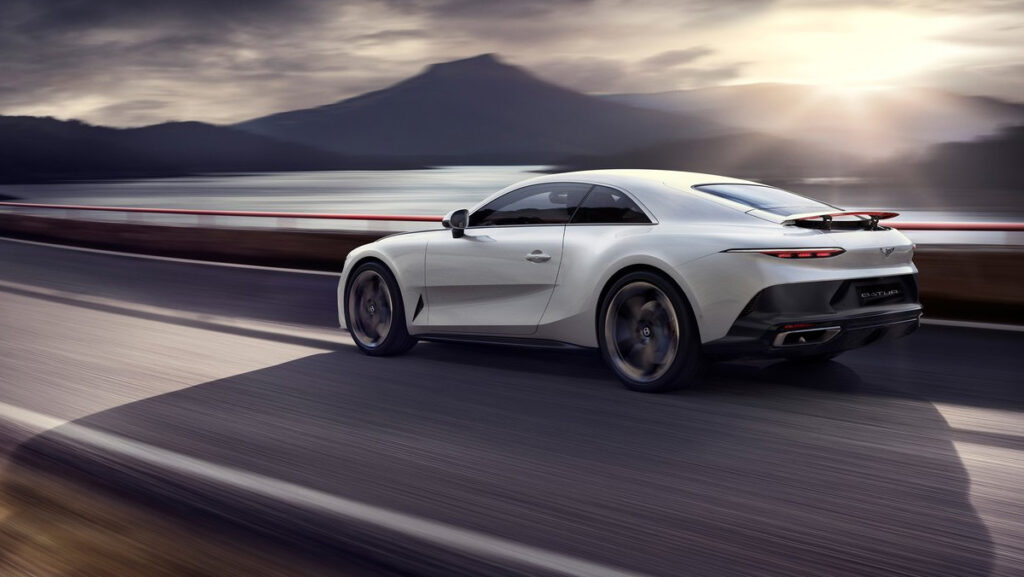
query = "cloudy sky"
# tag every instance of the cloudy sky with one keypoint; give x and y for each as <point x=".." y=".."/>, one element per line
<point x="132" y="62"/>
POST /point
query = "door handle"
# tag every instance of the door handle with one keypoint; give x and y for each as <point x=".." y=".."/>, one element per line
<point x="538" y="256"/>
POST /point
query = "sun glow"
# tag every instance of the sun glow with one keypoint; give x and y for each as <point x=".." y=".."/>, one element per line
<point x="65" y="107"/>
<point x="846" y="48"/>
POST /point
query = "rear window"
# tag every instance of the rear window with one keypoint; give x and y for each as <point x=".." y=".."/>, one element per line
<point x="608" y="206"/>
<point x="766" y="198"/>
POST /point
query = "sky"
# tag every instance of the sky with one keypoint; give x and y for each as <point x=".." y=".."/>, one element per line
<point x="136" y="62"/>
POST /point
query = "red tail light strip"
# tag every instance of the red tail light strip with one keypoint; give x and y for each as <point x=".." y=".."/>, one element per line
<point x="827" y="252"/>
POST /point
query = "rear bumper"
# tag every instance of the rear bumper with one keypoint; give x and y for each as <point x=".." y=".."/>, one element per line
<point x="811" y="319"/>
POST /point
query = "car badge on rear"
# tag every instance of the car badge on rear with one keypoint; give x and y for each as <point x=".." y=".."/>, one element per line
<point x="887" y="250"/>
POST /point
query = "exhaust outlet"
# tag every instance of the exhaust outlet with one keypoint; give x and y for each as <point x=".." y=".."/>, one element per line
<point x="815" y="336"/>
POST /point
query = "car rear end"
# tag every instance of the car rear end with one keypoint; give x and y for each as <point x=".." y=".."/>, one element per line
<point x="815" y="280"/>
<point x="864" y="294"/>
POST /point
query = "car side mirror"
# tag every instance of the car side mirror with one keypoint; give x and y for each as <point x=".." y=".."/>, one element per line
<point x="457" y="220"/>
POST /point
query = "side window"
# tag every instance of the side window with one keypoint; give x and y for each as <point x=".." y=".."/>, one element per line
<point x="551" y="203"/>
<point x="608" y="206"/>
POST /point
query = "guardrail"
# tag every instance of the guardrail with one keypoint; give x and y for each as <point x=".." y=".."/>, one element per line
<point x="248" y="213"/>
<point x="937" y="226"/>
<point x="960" y="226"/>
<point x="977" y="278"/>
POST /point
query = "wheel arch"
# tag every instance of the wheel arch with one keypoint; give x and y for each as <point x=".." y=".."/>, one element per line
<point x="363" y="260"/>
<point x="403" y="255"/>
<point x="396" y="338"/>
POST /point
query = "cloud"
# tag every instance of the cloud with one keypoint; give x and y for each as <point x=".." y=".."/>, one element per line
<point x="585" y="74"/>
<point x="1004" y="81"/>
<point x="128" y="62"/>
<point x="698" y="77"/>
<point x="957" y="6"/>
<point x="216" y="60"/>
<point x="386" y="36"/>
<point x="989" y="33"/>
<point x="134" y="111"/>
<point x="672" y="58"/>
<point x="950" y="6"/>
<point x="605" y="75"/>
<point x="42" y="16"/>
<point x="520" y="9"/>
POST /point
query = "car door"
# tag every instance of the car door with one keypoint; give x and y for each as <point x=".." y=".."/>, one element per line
<point x="498" y="277"/>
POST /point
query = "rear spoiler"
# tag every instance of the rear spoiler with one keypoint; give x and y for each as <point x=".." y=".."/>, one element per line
<point x="867" y="220"/>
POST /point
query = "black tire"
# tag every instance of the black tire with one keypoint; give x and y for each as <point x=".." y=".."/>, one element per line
<point x="646" y="314"/>
<point x="375" y="312"/>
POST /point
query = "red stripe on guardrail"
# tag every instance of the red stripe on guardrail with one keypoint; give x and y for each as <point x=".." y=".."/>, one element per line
<point x="950" y="226"/>
<point x="968" y="226"/>
<point x="264" y="214"/>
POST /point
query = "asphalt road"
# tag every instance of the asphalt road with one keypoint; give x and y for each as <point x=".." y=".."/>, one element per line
<point x="223" y="397"/>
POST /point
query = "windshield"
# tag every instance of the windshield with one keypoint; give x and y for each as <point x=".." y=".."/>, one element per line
<point x="766" y="198"/>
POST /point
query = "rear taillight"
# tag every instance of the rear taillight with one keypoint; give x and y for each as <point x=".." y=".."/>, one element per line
<point x="793" y="252"/>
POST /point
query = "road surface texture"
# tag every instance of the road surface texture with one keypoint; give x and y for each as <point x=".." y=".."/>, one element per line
<point x="225" y="398"/>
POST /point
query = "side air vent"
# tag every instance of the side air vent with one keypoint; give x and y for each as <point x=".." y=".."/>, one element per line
<point x="419" y="307"/>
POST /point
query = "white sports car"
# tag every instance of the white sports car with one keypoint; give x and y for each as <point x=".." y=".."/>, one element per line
<point x="657" y="269"/>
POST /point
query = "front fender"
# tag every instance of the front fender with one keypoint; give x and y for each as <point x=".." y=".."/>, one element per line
<point x="404" y="255"/>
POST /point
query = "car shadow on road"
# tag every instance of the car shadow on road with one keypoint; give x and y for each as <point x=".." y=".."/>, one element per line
<point x="763" y="469"/>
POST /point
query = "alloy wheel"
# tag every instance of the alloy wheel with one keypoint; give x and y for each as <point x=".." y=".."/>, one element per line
<point x="370" y="308"/>
<point x="642" y="330"/>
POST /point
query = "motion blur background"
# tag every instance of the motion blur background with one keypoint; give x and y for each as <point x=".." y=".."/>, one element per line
<point x="170" y="418"/>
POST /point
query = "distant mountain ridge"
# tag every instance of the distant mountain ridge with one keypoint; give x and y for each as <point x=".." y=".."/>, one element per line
<point x="992" y="162"/>
<point x="477" y="109"/>
<point x="36" y="149"/>
<point x="869" y="122"/>
<point x="748" y="155"/>
<point x="482" y="111"/>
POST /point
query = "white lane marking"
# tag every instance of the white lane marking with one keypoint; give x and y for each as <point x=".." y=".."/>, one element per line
<point x="427" y="530"/>
<point x="297" y="331"/>
<point x="171" y="258"/>
<point x="973" y="325"/>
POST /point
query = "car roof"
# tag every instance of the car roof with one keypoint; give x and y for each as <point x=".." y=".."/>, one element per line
<point x="658" y="190"/>
<point x="626" y="177"/>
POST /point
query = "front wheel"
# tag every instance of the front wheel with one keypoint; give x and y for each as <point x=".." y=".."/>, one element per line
<point x="647" y="334"/>
<point x="374" y="311"/>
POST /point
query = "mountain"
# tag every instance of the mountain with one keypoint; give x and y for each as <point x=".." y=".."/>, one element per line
<point x="749" y="155"/>
<point x="869" y="122"/>
<point x="477" y="110"/>
<point x="480" y="110"/>
<point x="991" y="162"/>
<point x="35" y="149"/>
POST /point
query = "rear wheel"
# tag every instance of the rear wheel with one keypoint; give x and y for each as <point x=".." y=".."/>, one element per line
<point x="647" y="334"/>
<point x="374" y="311"/>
